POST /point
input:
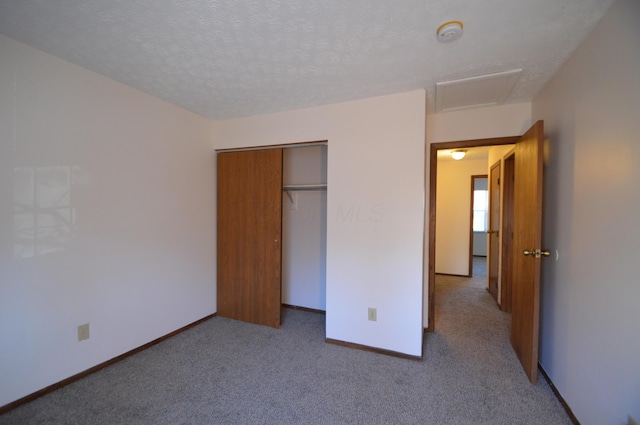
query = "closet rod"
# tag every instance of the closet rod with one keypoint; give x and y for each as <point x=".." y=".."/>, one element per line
<point x="293" y="187"/>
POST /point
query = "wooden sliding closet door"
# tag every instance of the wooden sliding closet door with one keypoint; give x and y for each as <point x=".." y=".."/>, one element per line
<point x="249" y="235"/>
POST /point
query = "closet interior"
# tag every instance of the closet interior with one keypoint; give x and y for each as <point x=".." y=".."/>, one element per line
<point x="304" y="226"/>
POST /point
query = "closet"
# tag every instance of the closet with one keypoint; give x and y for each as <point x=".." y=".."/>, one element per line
<point x="271" y="231"/>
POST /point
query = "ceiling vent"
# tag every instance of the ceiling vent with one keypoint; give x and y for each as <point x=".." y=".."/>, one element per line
<point x="474" y="92"/>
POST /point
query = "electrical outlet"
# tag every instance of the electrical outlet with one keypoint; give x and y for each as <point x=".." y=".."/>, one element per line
<point x="83" y="332"/>
<point x="373" y="314"/>
<point x="632" y="421"/>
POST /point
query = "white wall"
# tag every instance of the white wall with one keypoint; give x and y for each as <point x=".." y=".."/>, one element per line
<point x="375" y="209"/>
<point x="453" y="209"/>
<point x="125" y="217"/>
<point x="590" y="337"/>
<point x="479" y="123"/>
<point x="304" y="229"/>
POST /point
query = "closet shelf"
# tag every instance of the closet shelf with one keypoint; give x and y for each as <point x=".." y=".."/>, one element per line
<point x="300" y="187"/>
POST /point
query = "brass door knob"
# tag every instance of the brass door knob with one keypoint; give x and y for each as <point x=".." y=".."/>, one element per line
<point x="536" y="253"/>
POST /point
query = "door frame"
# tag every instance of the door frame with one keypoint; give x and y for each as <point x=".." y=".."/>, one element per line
<point x="279" y="146"/>
<point x="433" y="173"/>
<point x="494" y="242"/>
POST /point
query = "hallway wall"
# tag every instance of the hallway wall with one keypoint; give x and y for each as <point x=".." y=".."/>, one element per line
<point x="453" y="207"/>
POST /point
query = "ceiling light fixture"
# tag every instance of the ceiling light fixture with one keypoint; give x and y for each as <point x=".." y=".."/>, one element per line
<point x="459" y="154"/>
<point x="449" y="31"/>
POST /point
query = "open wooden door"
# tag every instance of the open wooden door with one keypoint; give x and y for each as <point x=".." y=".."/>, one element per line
<point x="249" y="235"/>
<point x="527" y="249"/>
<point x="494" y="233"/>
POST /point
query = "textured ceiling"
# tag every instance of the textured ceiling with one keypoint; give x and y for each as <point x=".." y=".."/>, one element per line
<point x="232" y="58"/>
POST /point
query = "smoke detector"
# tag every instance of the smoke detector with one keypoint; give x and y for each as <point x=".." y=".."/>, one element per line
<point x="449" y="31"/>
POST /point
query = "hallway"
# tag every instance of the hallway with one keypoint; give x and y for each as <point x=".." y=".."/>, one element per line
<point x="471" y="344"/>
<point x="479" y="267"/>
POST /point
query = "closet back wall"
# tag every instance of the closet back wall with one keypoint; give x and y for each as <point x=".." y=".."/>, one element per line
<point x="304" y="229"/>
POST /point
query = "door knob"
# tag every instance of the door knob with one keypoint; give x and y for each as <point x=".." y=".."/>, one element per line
<point x="537" y="253"/>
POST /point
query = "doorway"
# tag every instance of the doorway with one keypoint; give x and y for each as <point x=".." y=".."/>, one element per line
<point x="433" y="180"/>
<point x="527" y="239"/>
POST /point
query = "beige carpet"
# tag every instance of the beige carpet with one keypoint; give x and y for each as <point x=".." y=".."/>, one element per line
<point x="228" y="372"/>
